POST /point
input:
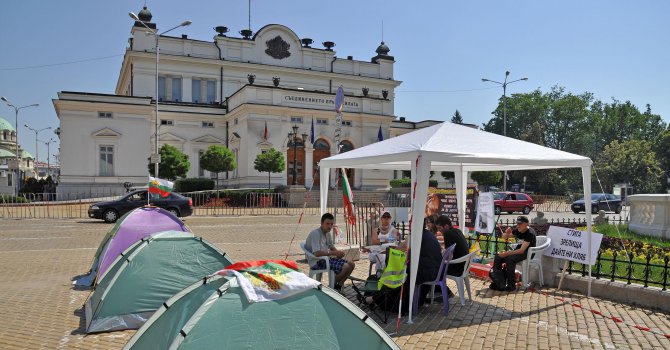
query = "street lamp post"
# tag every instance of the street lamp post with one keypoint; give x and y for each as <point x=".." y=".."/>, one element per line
<point x="293" y="138"/>
<point x="16" y="123"/>
<point x="48" y="143"/>
<point x="155" y="157"/>
<point x="37" y="131"/>
<point x="504" y="86"/>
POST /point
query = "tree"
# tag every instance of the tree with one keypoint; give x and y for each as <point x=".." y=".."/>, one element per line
<point x="174" y="163"/>
<point x="662" y="150"/>
<point x="631" y="162"/>
<point x="448" y="175"/>
<point x="271" y="161"/>
<point x="457" y="119"/>
<point x="487" y="178"/>
<point x="218" y="159"/>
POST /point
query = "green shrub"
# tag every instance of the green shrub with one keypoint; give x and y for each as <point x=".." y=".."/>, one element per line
<point x="407" y="182"/>
<point x="8" y="198"/>
<point x="193" y="184"/>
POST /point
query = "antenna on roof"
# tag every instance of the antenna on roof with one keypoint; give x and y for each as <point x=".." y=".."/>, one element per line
<point x="382" y="30"/>
<point x="249" y="14"/>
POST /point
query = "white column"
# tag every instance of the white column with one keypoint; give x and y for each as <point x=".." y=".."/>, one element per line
<point x="309" y="165"/>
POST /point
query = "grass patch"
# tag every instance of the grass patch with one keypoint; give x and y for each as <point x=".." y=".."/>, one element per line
<point x="625" y="233"/>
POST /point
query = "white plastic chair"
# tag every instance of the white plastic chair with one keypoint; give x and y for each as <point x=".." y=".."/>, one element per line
<point x="535" y="259"/>
<point x="313" y="260"/>
<point x="464" y="278"/>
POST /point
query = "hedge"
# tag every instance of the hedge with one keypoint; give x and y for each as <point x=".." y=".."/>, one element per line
<point x="406" y="182"/>
<point x="8" y="198"/>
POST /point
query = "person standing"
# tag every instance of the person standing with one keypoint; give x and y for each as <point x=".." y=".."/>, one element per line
<point x="526" y="236"/>
<point x="320" y="243"/>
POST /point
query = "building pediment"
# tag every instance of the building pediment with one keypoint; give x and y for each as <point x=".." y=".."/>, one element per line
<point x="106" y="133"/>
<point x="264" y="144"/>
<point x="208" y="139"/>
<point x="170" y="137"/>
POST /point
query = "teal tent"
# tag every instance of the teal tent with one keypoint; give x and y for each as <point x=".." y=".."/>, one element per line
<point x="215" y="314"/>
<point x="145" y="275"/>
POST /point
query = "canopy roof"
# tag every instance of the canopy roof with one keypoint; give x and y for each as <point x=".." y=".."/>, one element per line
<point x="449" y="146"/>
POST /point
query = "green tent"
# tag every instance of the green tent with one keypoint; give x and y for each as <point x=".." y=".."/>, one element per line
<point x="145" y="275"/>
<point x="215" y="314"/>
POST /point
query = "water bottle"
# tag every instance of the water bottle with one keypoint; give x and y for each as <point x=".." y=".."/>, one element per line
<point x="391" y="238"/>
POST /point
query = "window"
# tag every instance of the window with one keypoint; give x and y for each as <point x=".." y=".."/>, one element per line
<point x="295" y="120"/>
<point x="167" y="122"/>
<point x="10" y="179"/>
<point x="346" y="123"/>
<point x="176" y="89"/>
<point x="322" y="121"/>
<point x="235" y="121"/>
<point x="207" y="124"/>
<point x="105" y="115"/>
<point x="195" y="90"/>
<point x="211" y="91"/>
<point x="201" y="171"/>
<point x="106" y="160"/>
<point x="321" y="144"/>
<point x="162" y="89"/>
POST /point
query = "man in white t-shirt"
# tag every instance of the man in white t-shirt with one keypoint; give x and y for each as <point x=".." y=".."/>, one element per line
<point x="319" y="242"/>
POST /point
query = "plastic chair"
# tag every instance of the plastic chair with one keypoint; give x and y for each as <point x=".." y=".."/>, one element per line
<point x="464" y="278"/>
<point x="535" y="259"/>
<point x="440" y="280"/>
<point x="313" y="260"/>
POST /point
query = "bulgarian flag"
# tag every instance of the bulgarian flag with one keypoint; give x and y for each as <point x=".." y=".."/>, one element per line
<point x="160" y="186"/>
<point x="267" y="280"/>
<point x="348" y="199"/>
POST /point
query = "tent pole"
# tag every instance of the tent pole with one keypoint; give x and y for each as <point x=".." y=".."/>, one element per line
<point x="324" y="174"/>
<point x="586" y="176"/>
<point x="420" y="174"/>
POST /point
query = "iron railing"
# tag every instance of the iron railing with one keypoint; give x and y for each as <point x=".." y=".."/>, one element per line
<point x="627" y="268"/>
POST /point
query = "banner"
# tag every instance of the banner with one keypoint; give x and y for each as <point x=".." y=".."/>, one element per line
<point x="485" y="219"/>
<point x="573" y="245"/>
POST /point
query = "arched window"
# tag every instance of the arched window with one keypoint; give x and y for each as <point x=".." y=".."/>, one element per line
<point x="346" y="146"/>
<point x="321" y="144"/>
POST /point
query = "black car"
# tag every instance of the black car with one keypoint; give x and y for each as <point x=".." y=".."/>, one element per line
<point x="113" y="210"/>
<point x="599" y="201"/>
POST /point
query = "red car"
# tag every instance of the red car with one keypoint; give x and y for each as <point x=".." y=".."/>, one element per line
<point x="511" y="202"/>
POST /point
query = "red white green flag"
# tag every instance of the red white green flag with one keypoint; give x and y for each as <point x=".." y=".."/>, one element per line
<point x="160" y="186"/>
<point x="267" y="280"/>
<point x="348" y="199"/>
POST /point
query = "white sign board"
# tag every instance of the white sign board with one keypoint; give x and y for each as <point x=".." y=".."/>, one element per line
<point x="485" y="219"/>
<point x="573" y="245"/>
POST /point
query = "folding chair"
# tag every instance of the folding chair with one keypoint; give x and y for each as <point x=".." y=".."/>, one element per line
<point x="393" y="277"/>
<point x="313" y="260"/>
<point x="535" y="259"/>
<point x="440" y="280"/>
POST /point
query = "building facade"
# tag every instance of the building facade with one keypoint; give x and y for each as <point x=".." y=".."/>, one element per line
<point x="228" y="91"/>
<point x="8" y="144"/>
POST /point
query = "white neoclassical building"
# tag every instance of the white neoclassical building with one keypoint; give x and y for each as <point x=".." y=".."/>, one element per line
<point x="8" y="145"/>
<point x="225" y="91"/>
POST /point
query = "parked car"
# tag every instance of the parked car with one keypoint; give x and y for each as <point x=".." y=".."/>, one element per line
<point x="111" y="211"/>
<point x="511" y="202"/>
<point x="599" y="201"/>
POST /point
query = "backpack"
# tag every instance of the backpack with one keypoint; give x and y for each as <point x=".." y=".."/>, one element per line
<point x="498" y="279"/>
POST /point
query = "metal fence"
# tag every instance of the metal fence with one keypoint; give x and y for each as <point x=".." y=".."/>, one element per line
<point x="627" y="268"/>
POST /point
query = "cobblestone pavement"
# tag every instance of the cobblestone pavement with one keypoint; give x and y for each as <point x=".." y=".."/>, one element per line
<point x="39" y="308"/>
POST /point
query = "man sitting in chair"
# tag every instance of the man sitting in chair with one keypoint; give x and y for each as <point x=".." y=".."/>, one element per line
<point x="320" y="243"/>
<point x="524" y="235"/>
<point x="451" y="236"/>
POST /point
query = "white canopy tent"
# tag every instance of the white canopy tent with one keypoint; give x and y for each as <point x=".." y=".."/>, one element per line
<point x="456" y="148"/>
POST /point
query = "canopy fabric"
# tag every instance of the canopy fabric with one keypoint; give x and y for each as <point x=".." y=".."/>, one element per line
<point x="456" y="148"/>
<point x="451" y="146"/>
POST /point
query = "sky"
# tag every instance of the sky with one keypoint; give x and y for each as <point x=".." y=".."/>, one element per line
<point x="611" y="48"/>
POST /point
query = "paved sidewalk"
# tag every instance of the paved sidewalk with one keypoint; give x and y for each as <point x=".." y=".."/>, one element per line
<point x="40" y="309"/>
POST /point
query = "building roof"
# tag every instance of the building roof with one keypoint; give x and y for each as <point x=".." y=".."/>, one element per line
<point x="26" y="154"/>
<point x="6" y="153"/>
<point x="5" y="125"/>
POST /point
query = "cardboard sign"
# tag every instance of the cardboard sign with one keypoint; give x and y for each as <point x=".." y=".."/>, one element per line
<point x="573" y="245"/>
<point x="443" y="202"/>
<point x="485" y="215"/>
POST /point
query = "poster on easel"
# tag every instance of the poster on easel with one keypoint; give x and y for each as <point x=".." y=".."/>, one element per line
<point x="485" y="219"/>
<point x="444" y="202"/>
